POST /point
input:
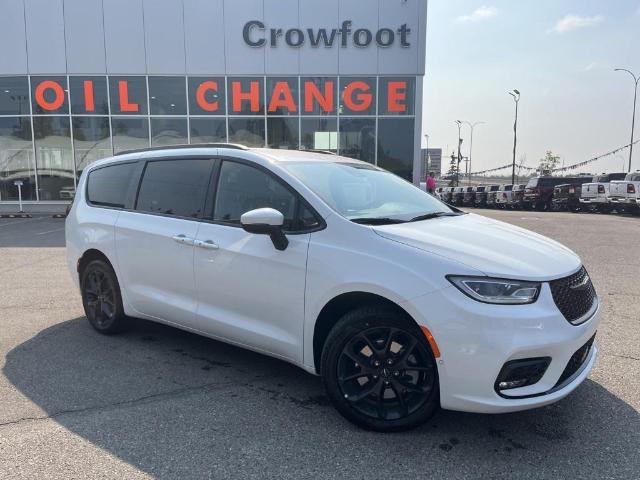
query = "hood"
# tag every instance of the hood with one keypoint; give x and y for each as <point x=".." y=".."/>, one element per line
<point x="495" y="248"/>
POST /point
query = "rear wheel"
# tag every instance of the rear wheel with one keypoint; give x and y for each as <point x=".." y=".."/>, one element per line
<point x="101" y="297"/>
<point x="379" y="370"/>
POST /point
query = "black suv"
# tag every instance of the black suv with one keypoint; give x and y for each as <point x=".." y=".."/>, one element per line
<point x="566" y="197"/>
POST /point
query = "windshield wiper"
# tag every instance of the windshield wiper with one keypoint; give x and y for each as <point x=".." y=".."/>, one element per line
<point x="377" y="220"/>
<point x="428" y="216"/>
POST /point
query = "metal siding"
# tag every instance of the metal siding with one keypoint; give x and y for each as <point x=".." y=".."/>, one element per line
<point x="164" y="36"/>
<point x="124" y="36"/>
<point x="13" y="60"/>
<point x="396" y="59"/>
<point x="319" y="14"/>
<point x="45" y="36"/>
<point x="84" y="36"/>
<point x="283" y="58"/>
<point x="359" y="60"/>
<point x="204" y="36"/>
<point x="240" y="58"/>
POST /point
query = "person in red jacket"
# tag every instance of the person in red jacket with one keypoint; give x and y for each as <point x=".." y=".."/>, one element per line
<point x="431" y="184"/>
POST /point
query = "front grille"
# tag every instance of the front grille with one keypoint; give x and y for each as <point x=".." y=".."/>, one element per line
<point x="574" y="295"/>
<point x="576" y="361"/>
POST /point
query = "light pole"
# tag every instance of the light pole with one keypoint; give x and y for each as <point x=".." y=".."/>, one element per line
<point x="427" y="163"/>
<point x="633" y="118"/>
<point x="471" y="125"/>
<point x="459" y="123"/>
<point x="516" y="98"/>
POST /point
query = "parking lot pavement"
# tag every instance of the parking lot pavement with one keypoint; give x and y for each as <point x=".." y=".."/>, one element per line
<point x="159" y="402"/>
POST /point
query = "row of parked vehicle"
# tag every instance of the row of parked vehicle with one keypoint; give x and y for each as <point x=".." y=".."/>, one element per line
<point x="608" y="192"/>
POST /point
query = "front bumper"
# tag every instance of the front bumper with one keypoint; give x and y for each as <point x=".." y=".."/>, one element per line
<point x="477" y="339"/>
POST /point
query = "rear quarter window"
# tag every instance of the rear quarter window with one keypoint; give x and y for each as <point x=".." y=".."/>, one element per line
<point x="108" y="186"/>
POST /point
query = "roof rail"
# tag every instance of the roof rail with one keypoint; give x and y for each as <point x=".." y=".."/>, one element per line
<point x="236" y="146"/>
<point x="318" y="150"/>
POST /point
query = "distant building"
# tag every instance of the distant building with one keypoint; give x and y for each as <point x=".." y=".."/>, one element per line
<point x="431" y="162"/>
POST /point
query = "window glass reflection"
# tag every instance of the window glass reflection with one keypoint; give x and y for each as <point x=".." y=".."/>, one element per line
<point x="91" y="140"/>
<point x="395" y="146"/>
<point x="319" y="134"/>
<point x="167" y="96"/>
<point x="206" y="96"/>
<point x="54" y="158"/>
<point x="168" y="131"/>
<point x="358" y="138"/>
<point x="89" y="95"/>
<point x="282" y="132"/>
<point x="16" y="158"/>
<point x="208" y="130"/>
<point x="128" y="95"/>
<point x="247" y="131"/>
<point x="129" y="133"/>
<point x="49" y="95"/>
<point x="14" y="96"/>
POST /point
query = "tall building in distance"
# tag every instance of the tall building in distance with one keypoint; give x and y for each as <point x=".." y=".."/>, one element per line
<point x="431" y="162"/>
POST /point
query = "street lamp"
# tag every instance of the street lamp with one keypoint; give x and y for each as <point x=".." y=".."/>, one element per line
<point x="633" y="118"/>
<point x="459" y="123"/>
<point x="471" y="125"/>
<point x="516" y="98"/>
<point x="427" y="165"/>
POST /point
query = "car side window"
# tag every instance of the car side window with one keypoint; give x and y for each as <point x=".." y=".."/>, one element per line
<point x="242" y="188"/>
<point x="108" y="186"/>
<point x="174" y="187"/>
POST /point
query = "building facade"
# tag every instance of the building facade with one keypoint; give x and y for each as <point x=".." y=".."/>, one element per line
<point x="84" y="79"/>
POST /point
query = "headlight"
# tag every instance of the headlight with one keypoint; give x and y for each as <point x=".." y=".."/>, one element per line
<point x="497" y="290"/>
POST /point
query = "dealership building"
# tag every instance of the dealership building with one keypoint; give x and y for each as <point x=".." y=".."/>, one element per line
<point x="81" y="80"/>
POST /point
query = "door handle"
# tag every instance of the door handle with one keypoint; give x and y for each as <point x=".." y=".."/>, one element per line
<point x="181" y="238"/>
<point x="208" y="244"/>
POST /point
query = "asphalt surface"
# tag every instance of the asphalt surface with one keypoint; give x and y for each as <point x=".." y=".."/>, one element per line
<point x="157" y="402"/>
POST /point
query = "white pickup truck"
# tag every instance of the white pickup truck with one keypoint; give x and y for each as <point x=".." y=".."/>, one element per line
<point x="595" y="195"/>
<point x="625" y="194"/>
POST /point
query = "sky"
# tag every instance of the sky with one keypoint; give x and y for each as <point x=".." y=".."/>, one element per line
<point x="560" y="55"/>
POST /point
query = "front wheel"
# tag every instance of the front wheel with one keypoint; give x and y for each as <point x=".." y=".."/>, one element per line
<point x="101" y="298"/>
<point x="379" y="370"/>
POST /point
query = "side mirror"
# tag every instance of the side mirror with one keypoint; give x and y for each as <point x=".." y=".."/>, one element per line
<point x="266" y="221"/>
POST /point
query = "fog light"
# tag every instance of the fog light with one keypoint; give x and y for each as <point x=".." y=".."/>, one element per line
<point x="522" y="372"/>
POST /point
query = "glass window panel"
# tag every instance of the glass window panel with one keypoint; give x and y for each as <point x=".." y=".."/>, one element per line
<point x="89" y="95"/>
<point x="128" y="95"/>
<point x="396" y="95"/>
<point x="246" y="95"/>
<point x="207" y="96"/>
<point x="358" y="138"/>
<point x="395" y="146"/>
<point x="247" y="131"/>
<point x="168" y="131"/>
<point x="167" y="96"/>
<point x="108" y="186"/>
<point x="282" y="132"/>
<point x="208" y="130"/>
<point x="174" y="187"/>
<point x="282" y="95"/>
<point x="242" y="188"/>
<point x="129" y="133"/>
<point x="318" y="95"/>
<point x="14" y="96"/>
<point x="319" y="134"/>
<point x="54" y="157"/>
<point x="16" y="158"/>
<point x="49" y="95"/>
<point x="357" y="96"/>
<point x="91" y="140"/>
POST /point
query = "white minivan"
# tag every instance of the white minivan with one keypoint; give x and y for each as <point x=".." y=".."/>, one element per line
<point x="401" y="303"/>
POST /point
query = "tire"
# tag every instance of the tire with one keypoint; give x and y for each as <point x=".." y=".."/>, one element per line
<point x="379" y="371"/>
<point x="101" y="298"/>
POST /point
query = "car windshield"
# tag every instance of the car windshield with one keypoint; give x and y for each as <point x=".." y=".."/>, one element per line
<point x="360" y="191"/>
<point x="532" y="183"/>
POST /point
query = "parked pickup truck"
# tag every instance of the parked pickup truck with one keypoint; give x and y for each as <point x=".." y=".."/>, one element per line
<point x="625" y="194"/>
<point x="595" y="195"/>
<point x="539" y="190"/>
<point x="566" y="197"/>
<point x="503" y="197"/>
<point x="492" y="192"/>
<point x="517" y="196"/>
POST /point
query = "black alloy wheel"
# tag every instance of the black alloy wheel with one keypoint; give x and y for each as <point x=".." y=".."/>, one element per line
<point x="101" y="297"/>
<point x="379" y="371"/>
